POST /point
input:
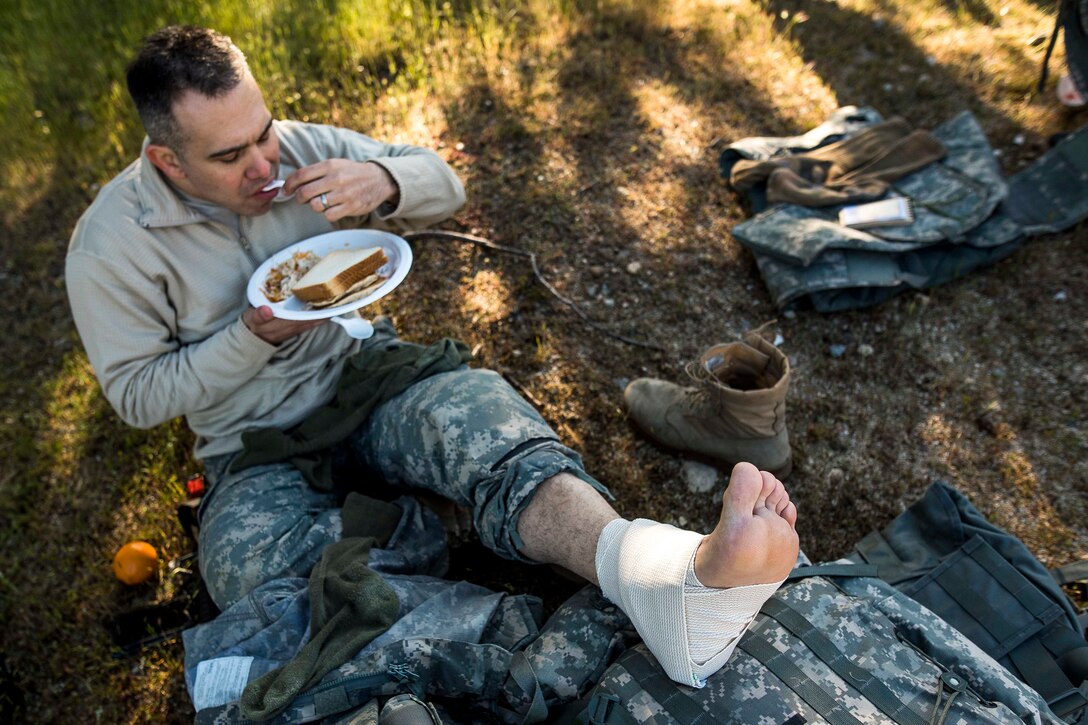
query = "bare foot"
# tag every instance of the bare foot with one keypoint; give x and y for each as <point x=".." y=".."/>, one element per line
<point x="755" y="541"/>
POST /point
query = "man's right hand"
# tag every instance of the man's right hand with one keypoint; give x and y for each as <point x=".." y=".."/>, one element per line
<point x="263" y="323"/>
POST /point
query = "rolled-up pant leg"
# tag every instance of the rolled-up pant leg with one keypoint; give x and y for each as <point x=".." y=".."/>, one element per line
<point x="467" y="435"/>
<point x="259" y="524"/>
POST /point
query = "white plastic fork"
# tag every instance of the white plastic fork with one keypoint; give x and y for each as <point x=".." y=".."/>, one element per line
<point x="277" y="184"/>
<point x="355" y="326"/>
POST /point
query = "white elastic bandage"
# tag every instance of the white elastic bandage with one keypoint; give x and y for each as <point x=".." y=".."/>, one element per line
<point x="643" y="567"/>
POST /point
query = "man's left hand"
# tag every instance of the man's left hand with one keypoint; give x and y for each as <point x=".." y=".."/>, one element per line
<point x="341" y="188"/>
<point x="263" y="323"/>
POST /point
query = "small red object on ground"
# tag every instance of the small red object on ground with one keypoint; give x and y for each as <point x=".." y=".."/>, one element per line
<point x="195" y="484"/>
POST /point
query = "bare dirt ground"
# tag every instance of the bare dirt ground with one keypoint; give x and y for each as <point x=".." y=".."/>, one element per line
<point x="598" y="153"/>
<point x="980" y="382"/>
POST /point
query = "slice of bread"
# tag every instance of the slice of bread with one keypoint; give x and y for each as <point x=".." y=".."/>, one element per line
<point x="337" y="272"/>
<point x="358" y="291"/>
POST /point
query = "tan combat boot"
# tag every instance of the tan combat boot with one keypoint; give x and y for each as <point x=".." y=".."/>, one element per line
<point x="735" y="412"/>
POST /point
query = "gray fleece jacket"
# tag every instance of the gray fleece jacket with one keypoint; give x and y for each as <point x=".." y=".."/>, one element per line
<point x="157" y="290"/>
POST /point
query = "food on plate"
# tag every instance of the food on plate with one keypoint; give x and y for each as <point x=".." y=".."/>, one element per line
<point x="357" y="291"/>
<point x="340" y="277"/>
<point x="283" y="277"/>
<point x="339" y="274"/>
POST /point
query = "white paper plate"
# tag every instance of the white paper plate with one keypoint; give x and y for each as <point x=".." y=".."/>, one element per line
<point x="292" y="308"/>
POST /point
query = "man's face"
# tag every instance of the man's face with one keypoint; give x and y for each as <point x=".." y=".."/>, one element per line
<point x="231" y="150"/>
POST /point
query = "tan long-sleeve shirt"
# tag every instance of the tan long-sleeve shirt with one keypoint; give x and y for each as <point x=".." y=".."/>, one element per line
<point x="157" y="291"/>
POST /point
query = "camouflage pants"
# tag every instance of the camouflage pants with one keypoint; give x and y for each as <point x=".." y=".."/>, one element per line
<point x="465" y="435"/>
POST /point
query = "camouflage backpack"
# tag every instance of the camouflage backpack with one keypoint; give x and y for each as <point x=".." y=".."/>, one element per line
<point x="851" y="642"/>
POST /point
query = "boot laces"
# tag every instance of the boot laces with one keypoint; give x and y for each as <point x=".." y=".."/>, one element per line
<point x="697" y="371"/>
<point x="705" y="382"/>
<point x="706" y="379"/>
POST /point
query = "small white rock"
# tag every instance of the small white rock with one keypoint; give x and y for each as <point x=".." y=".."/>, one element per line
<point x="634" y="267"/>
<point x="699" y="477"/>
<point x="865" y="350"/>
<point x="1060" y="296"/>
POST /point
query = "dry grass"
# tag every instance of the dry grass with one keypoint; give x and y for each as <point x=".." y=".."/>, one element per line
<point x="586" y="132"/>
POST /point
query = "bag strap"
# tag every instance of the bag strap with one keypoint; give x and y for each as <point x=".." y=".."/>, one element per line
<point x="1042" y="673"/>
<point x="1040" y="607"/>
<point x="606" y="709"/>
<point x="1008" y="576"/>
<point x="521" y="672"/>
<point x="816" y="697"/>
<point x="673" y="698"/>
<point x="803" y="572"/>
<point x="1075" y="571"/>
<point x="862" y="680"/>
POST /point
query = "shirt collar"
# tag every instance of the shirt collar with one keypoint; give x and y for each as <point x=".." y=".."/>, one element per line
<point x="160" y="205"/>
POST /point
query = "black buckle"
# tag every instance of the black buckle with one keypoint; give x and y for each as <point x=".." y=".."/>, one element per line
<point x="600" y="708"/>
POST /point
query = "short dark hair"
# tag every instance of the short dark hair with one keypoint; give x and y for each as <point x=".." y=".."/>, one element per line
<point x="174" y="60"/>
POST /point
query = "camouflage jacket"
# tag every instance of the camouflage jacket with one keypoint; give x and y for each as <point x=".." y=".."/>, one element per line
<point x="966" y="216"/>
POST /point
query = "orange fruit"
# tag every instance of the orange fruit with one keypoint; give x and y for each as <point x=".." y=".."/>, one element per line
<point x="135" y="562"/>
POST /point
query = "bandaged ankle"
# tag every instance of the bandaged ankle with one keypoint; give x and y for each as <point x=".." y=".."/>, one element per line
<point x="644" y="567"/>
<point x="716" y="619"/>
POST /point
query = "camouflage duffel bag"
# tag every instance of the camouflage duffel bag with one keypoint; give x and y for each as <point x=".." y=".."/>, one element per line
<point x="835" y="649"/>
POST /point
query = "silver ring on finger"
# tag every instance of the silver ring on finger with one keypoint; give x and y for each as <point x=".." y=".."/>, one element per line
<point x="324" y="198"/>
